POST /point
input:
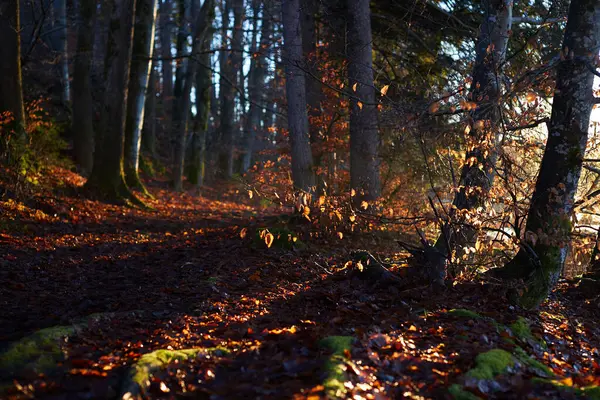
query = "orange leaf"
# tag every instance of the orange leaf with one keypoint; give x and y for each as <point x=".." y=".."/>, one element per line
<point x="250" y="194"/>
<point x="243" y="232"/>
<point x="269" y="238"/>
<point x="384" y="90"/>
<point x="340" y="235"/>
<point x="354" y="87"/>
<point x="360" y="105"/>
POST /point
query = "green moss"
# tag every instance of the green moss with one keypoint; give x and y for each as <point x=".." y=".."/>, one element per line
<point x="39" y="352"/>
<point x="147" y="365"/>
<point x="588" y="392"/>
<point x="461" y="312"/>
<point x="520" y="328"/>
<point x="461" y="394"/>
<point x="334" y="366"/>
<point x="540" y="282"/>
<point x="532" y="363"/>
<point x="491" y="363"/>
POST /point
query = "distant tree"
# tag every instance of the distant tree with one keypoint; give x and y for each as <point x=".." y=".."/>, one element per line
<point x="256" y="81"/>
<point x="543" y="251"/>
<point x="83" y="106"/>
<point x="59" y="34"/>
<point x="227" y="83"/>
<point x="166" y="27"/>
<point x="141" y="65"/>
<point x="150" y="117"/>
<point x="11" y="83"/>
<point x="107" y="178"/>
<point x="364" y="134"/>
<point x="202" y="25"/>
<point x="302" y="163"/>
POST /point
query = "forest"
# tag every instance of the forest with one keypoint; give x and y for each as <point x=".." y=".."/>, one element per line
<point x="299" y="199"/>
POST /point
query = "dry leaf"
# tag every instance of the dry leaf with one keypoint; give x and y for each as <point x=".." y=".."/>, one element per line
<point x="434" y="107"/>
<point x="269" y="238"/>
<point x="250" y="194"/>
<point x="340" y="235"/>
<point x="364" y="205"/>
<point x="384" y="90"/>
<point x="354" y="86"/>
<point x="360" y="105"/>
<point x="352" y="193"/>
<point x="243" y="232"/>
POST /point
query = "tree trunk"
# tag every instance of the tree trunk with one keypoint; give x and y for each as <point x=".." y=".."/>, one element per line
<point x="486" y="90"/>
<point x="547" y="233"/>
<point x="197" y="166"/>
<point x="302" y="163"/>
<point x="149" y="132"/>
<point x="364" y="134"/>
<point x="256" y="89"/>
<point x="143" y="45"/>
<point x="107" y="178"/>
<point x="59" y="45"/>
<point x="83" y="106"/>
<point x="227" y="95"/>
<point x="201" y="26"/>
<point x="167" y="65"/>
<point x="11" y="82"/>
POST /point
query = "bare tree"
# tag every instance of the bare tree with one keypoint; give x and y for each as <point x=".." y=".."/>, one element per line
<point x="143" y="45"/>
<point x="364" y="134"/>
<point x="302" y="163"/>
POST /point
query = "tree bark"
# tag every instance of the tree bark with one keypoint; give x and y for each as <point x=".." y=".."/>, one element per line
<point x="167" y="65"/>
<point x="83" y="105"/>
<point x="544" y="248"/>
<point x="364" y="133"/>
<point x="143" y="45"/>
<point x="227" y="95"/>
<point x="256" y="91"/>
<point x="485" y="130"/>
<point x="59" y="45"/>
<point x="149" y="132"/>
<point x="107" y="178"/>
<point x="202" y="25"/>
<point x="11" y="81"/>
<point x="302" y="164"/>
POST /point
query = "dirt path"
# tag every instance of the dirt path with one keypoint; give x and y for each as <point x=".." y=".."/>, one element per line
<point x="180" y="277"/>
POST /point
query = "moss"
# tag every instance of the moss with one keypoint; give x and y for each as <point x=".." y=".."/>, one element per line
<point x="39" y="352"/>
<point x="461" y="312"/>
<point x="532" y="363"/>
<point x="147" y="365"/>
<point x="335" y="374"/>
<point x="520" y="328"/>
<point x="588" y="392"/>
<point x="458" y="393"/>
<point x="491" y="363"/>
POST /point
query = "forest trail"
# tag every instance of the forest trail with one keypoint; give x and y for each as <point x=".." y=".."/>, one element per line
<point x="255" y="322"/>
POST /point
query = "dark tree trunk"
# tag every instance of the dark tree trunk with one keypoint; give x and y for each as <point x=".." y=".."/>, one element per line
<point x="364" y="134"/>
<point x="547" y="234"/>
<point x="59" y="45"/>
<point x="486" y="90"/>
<point x="227" y="95"/>
<point x="202" y="25"/>
<point x="149" y="132"/>
<point x="166" y="28"/>
<point x="107" y="178"/>
<point x="83" y="106"/>
<point x="11" y="82"/>
<point x="302" y="163"/>
<point x="256" y="90"/>
<point x="143" y="45"/>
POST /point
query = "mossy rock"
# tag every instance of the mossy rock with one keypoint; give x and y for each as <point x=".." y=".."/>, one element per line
<point x="533" y="364"/>
<point x="586" y="392"/>
<point x="522" y="331"/>
<point x="39" y="352"/>
<point x="335" y="373"/>
<point x="458" y="393"/>
<point x="492" y="363"/>
<point x="138" y="380"/>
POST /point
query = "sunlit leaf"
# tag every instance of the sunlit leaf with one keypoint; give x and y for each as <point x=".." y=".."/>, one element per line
<point x="243" y="232"/>
<point x="352" y="193"/>
<point x="364" y="205"/>
<point x="354" y="87"/>
<point x="340" y="235"/>
<point x="269" y="238"/>
<point x="384" y="90"/>
<point x="531" y="97"/>
<point x="359" y="104"/>
<point x="250" y="194"/>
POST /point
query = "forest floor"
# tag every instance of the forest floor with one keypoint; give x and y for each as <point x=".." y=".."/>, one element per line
<point x="101" y="301"/>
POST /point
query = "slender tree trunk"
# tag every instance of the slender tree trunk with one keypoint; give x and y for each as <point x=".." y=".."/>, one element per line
<point x="227" y="95"/>
<point x="59" y="44"/>
<point x="201" y="26"/>
<point x="143" y="45"/>
<point x="256" y="85"/>
<point x="11" y="82"/>
<point x="167" y="65"/>
<point x="364" y="134"/>
<point x="302" y="164"/>
<point x="149" y="132"/>
<point x="197" y="167"/>
<point x="83" y="105"/>
<point x="547" y="233"/>
<point x="107" y="178"/>
<point x="486" y="90"/>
